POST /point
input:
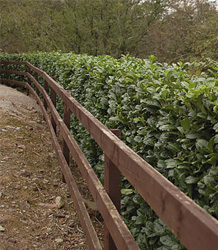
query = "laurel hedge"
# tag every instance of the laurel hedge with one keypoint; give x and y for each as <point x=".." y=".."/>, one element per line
<point x="167" y="114"/>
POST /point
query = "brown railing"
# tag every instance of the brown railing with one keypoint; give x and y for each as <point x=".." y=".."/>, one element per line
<point x="192" y="225"/>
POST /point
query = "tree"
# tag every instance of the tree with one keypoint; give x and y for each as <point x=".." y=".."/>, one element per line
<point x="188" y="31"/>
<point x="171" y="30"/>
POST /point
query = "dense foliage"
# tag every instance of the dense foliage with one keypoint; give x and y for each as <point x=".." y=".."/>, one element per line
<point x="167" y="114"/>
<point x="170" y="29"/>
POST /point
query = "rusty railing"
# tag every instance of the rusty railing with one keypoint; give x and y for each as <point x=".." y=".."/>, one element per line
<point x="192" y="225"/>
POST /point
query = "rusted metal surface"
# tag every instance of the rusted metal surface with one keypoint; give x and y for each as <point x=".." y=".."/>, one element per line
<point x="195" y="228"/>
<point x="112" y="185"/>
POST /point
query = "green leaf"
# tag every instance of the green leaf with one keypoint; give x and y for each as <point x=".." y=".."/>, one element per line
<point x="211" y="143"/>
<point x="165" y="93"/>
<point x="169" y="107"/>
<point x="185" y="123"/>
<point x="216" y="139"/>
<point x="138" y="139"/>
<point x="114" y="119"/>
<point x="158" y="229"/>
<point x="167" y="127"/>
<point x="151" y="103"/>
<point x="215" y="127"/>
<point x="127" y="191"/>
<point x="167" y="241"/>
<point x="208" y="179"/>
<point x="192" y="135"/>
<point x="191" y="180"/>
<point x="201" y="144"/>
<point x="213" y="158"/>
<point x="152" y="58"/>
<point x="171" y="163"/>
<point x="174" y="147"/>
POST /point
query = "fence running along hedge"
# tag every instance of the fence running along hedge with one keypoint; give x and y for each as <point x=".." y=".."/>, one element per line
<point x="166" y="115"/>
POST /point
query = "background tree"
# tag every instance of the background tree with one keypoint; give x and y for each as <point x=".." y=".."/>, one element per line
<point x="189" y="30"/>
<point x="171" y="30"/>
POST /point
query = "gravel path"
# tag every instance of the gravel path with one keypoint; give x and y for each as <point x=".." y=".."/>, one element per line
<point x="30" y="182"/>
<point x="14" y="102"/>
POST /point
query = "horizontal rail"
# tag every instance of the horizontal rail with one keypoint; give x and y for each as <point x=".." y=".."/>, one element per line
<point x="77" y="198"/>
<point x="35" y="69"/>
<point x="112" y="218"/>
<point x="14" y="82"/>
<point x="195" y="228"/>
<point x="14" y="63"/>
<point x="177" y="210"/>
<point x="13" y="72"/>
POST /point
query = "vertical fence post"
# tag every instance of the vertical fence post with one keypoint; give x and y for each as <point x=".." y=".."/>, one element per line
<point x="66" y="150"/>
<point x="53" y="99"/>
<point x="37" y="79"/>
<point x="6" y="68"/>
<point x="46" y="89"/>
<point x="112" y="185"/>
<point x="28" y="81"/>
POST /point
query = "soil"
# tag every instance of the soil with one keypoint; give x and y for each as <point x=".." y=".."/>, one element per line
<point x="30" y="182"/>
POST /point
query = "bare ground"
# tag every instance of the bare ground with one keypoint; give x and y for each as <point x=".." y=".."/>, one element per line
<point x="30" y="181"/>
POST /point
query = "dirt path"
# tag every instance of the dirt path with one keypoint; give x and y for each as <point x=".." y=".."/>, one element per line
<point x="30" y="182"/>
